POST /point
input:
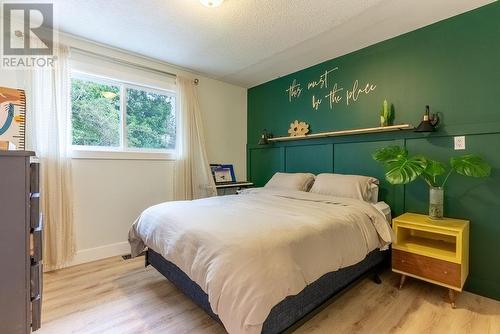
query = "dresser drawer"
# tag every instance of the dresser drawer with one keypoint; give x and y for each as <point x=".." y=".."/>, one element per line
<point x="36" y="313"/>
<point x="36" y="281"/>
<point x="35" y="210"/>
<point x="427" y="267"/>
<point x="34" y="177"/>
<point x="36" y="244"/>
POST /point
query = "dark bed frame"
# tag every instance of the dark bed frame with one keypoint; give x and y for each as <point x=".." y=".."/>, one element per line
<point x="293" y="311"/>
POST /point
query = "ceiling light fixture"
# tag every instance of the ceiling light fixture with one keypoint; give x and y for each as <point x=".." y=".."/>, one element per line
<point x="211" y="3"/>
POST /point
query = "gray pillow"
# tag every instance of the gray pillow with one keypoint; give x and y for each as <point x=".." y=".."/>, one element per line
<point x="364" y="188"/>
<point x="291" y="181"/>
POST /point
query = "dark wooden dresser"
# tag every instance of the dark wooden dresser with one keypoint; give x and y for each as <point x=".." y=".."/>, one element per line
<point x="20" y="243"/>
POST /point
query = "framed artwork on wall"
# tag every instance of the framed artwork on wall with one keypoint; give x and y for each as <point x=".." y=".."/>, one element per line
<point x="12" y="117"/>
<point x="223" y="173"/>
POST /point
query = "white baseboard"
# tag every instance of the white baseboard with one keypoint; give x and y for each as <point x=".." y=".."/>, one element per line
<point x="98" y="253"/>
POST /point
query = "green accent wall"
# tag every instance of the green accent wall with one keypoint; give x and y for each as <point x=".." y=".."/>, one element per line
<point x="453" y="66"/>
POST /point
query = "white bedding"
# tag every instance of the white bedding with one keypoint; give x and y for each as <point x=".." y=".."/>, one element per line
<point x="248" y="252"/>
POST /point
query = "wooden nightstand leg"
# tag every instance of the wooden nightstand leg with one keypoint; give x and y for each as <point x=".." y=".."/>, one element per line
<point x="402" y="281"/>
<point x="452" y="295"/>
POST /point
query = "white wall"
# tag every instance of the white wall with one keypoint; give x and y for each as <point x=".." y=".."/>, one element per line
<point x="110" y="194"/>
<point x="225" y="123"/>
<point x="11" y="78"/>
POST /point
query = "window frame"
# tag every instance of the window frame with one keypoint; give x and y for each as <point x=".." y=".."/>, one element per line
<point x="121" y="152"/>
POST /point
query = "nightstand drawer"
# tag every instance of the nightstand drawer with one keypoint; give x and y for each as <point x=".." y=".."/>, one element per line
<point x="427" y="267"/>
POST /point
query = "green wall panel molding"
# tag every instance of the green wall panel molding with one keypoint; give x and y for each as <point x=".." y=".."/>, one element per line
<point x="443" y="131"/>
<point x="454" y="67"/>
<point x="478" y="286"/>
<point x="264" y="163"/>
<point x="355" y="158"/>
<point x="314" y="159"/>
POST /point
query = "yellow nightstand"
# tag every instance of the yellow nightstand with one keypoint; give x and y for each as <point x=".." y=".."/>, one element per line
<point x="435" y="251"/>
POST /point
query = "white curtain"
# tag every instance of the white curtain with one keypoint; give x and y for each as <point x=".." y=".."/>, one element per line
<point x="49" y="127"/>
<point x="192" y="176"/>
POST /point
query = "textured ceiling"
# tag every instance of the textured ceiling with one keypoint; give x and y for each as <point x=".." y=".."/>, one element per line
<point x="248" y="42"/>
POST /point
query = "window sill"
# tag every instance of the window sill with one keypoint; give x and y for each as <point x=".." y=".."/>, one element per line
<point x="120" y="155"/>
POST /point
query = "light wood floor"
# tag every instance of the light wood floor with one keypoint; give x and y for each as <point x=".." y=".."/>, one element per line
<point x="117" y="296"/>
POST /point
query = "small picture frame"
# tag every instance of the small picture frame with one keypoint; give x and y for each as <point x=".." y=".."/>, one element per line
<point x="223" y="173"/>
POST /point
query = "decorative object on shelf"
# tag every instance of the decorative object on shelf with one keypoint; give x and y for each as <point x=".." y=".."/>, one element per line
<point x="222" y="173"/>
<point x="264" y="137"/>
<point x="403" y="169"/>
<point x="298" y="129"/>
<point x="386" y="114"/>
<point x="429" y="122"/>
<point x="349" y="132"/>
<point x="13" y="116"/>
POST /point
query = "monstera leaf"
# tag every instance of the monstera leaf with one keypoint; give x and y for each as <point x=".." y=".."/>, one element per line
<point x="402" y="169"/>
<point x="470" y="165"/>
<point x="432" y="171"/>
<point x="390" y="154"/>
<point x="405" y="170"/>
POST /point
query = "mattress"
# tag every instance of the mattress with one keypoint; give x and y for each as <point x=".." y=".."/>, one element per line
<point x="259" y="248"/>
<point x="293" y="309"/>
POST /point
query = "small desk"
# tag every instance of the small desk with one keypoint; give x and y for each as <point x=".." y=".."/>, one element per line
<point x="232" y="188"/>
<point x="436" y="251"/>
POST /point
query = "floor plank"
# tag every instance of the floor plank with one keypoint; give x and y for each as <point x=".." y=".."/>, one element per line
<point x="118" y="296"/>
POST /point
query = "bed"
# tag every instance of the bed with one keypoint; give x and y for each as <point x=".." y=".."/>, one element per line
<point x="264" y="260"/>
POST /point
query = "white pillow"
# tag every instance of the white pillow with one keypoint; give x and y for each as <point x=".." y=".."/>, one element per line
<point x="374" y="193"/>
<point x="364" y="188"/>
<point x="385" y="209"/>
<point x="291" y="181"/>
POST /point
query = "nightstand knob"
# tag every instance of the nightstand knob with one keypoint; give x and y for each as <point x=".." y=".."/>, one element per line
<point x="403" y="261"/>
<point x="445" y="272"/>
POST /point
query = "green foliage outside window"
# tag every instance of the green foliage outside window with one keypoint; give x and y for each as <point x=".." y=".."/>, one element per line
<point x="150" y="120"/>
<point x="96" y="119"/>
<point x="96" y="113"/>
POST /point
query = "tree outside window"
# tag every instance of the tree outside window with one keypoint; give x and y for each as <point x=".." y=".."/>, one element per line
<point x="119" y="116"/>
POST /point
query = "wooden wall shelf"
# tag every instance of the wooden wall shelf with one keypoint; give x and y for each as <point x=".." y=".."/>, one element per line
<point x="346" y="132"/>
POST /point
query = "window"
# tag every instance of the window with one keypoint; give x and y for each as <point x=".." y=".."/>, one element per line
<point x="95" y="113"/>
<point x="150" y="119"/>
<point x="110" y="115"/>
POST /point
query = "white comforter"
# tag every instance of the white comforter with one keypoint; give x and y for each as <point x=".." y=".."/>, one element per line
<point x="248" y="252"/>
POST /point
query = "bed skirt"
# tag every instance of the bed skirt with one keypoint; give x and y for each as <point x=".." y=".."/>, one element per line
<point x="293" y="310"/>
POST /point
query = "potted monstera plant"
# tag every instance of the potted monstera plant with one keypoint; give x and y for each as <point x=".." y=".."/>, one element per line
<point x="402" y="169"/>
